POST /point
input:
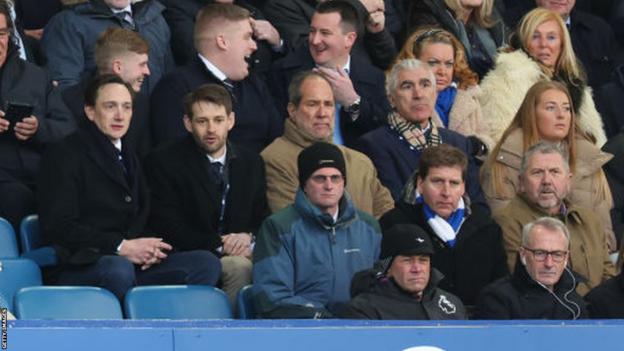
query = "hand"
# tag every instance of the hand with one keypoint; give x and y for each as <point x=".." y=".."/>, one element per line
<point x="341" y="84"/>
<point x="237" y="244"/>
<point x="144" y="251"/>
<point x="34" y="33"/>
<point x="25" y="129"/>
<point x="263" y="30"/>
<point x="4" y="123"/>
<point x="376" y="20"/>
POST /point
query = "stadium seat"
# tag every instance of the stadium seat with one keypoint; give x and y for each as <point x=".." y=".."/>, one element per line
<point x="66" y="302"/>
<point x="17" y="273"/>
<point x="244" y="303"/>
<point x="177" y="302"/>
<point x="8" y="244"/>
<point x="32" y="243"/>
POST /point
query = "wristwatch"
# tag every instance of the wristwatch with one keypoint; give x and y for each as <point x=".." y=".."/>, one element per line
<point x="354" y="109"/>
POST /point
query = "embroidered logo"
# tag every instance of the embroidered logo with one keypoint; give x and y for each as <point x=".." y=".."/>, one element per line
<point x="351" y="250"/>
<point x="445" y="305"/>
<point x="420" y="240"/>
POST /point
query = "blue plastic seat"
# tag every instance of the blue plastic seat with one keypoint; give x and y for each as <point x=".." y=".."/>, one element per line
<point x="66" y="302"/>
<point x="32" y="243"/>
<point x="8" y="243"/>
<point x="245" y="304"/>
<point x="17" y="273"/>
<point x="177" y="302"/>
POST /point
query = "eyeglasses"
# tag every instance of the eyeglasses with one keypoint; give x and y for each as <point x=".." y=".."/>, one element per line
<point x="540" y="255"/>
<point x="321" y="179"/>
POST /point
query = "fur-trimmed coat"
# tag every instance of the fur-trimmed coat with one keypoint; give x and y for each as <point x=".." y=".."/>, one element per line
<point x="504" y="88"/>
<point x="466" y="117"/>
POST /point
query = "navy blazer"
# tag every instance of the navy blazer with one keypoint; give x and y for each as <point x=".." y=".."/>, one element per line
<point x="396" y="161"/>
<point x="257" y="119"/>
<point x="186" y="202"/>
<point x="368" y="81"/>
<point x="87" y="206"/>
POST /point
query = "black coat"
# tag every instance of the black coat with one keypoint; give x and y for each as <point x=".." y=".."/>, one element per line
<point x="139" y="135"/>
<point x="520" y="297"/>
<point x="292" y="19"/>
<point x="87" y="206"/>
<point x="615" y="176"/>
<point x="385" y="300"/>
<point x="368" y="82"/>
<point x="606" y="301"/>
<point x="610" y="102"/>
<point x="477" y="259"/>
<point x="180" y="15"/>
<point x="257" y="119"/>
<point x="27" y="83"/>
<point x="186" y="202"/>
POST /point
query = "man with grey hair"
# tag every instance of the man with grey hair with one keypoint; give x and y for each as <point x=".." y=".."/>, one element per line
<point x="311" y="119"/>
<point x="395" y="148"/>
<point x="544" y="183"/>
<point x="542" y="286"/>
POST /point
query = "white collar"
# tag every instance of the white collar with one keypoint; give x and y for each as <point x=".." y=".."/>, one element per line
<point x="218" y="159"/>
<point x="213" y="69"/>
<point x="117" y="144"/>
<point x="125" y="9"/>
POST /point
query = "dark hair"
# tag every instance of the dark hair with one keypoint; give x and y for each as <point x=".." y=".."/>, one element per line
<point x="444" y="155"/>
<point x="93" y="90"/>
<point x="209" y="93"/>
<point x="294" y="88"/>
<point x="349" y="19"/>
<point x="117" y="41"/>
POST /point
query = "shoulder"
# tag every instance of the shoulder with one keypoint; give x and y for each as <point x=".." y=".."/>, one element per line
<point x="368" y="220"/>
<point x="280" y="151"/>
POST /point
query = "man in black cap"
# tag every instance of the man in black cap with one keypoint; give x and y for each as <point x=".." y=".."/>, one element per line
<point x="307" y="253"/>
<point x="403" y="285"/>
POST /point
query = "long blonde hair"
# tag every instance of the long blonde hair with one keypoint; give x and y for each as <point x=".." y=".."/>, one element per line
<point x="526" y="121"/>
<point x="414" y="45"/>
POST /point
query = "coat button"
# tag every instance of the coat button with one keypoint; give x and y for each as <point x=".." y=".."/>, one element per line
<point x="128" y="198"/>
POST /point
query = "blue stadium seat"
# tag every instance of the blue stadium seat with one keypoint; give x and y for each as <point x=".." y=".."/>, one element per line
<point x="8" y="244"/>
<point x="177" y="302"/>
<point x="32" y="243"/>
<point x="245" y="304"/>
<point x="66" y="302"/>
<point x="17" y="273"/>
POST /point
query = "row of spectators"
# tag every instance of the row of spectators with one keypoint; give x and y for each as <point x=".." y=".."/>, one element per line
<point x="184" y="192"/>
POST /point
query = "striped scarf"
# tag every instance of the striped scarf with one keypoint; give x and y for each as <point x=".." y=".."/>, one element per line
<point x="413" y="133"/>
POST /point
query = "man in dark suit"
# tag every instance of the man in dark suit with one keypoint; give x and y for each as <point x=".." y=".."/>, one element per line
<point x="94" y="205"/>
<point x="125" y="53"/>
<point x="224" y="42"/>
<point x="358" y="86"/>
<point x="209" y="193"/>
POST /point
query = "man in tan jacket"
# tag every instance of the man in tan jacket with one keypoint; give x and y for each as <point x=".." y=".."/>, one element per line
<point x="544" y="183"/>
<point x="311" y="119"/>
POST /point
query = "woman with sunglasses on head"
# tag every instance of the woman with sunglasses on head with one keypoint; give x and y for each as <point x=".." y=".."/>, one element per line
<point x="457" y="107"/>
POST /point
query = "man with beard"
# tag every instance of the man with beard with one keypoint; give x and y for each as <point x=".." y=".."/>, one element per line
<point x="208" y="193"/>
<point x="545" y="180"/>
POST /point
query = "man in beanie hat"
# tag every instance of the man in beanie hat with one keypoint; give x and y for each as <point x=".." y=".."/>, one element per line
<point x="403" y="285"/>
<point x="307" y="253"/>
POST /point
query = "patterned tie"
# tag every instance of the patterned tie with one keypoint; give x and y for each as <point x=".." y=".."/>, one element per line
<point x="126" y="20"/>
<point x="216" y="171"/>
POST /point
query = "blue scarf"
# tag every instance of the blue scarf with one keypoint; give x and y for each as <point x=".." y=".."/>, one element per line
<point x="445" y="101"/>
<point x="445" y="229"/>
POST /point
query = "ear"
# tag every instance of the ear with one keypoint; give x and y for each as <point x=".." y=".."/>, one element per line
<point x="520" y="185"/>
<point x="419" y="182"/>
<point x="521" y="253"/>
<point x="90" y="112"/>
<point x="350" y="39"/>
<point x="231" y="120"/>
<point x="116" y="66"/>
<point x="291" y="110"/>
<point x="187" y="124"/>
<point x="222" y="42"/>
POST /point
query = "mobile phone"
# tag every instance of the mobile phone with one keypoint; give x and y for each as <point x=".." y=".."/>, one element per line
<point x="16" y="112"/>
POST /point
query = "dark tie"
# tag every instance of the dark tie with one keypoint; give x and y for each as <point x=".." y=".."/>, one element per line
<point x="216" y="171"/>
<point x="120" y="159"/>
<point x="229" y="85"/>
<point x="126" y="20"/>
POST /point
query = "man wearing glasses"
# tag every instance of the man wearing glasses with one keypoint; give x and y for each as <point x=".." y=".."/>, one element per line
<point x="544" y="183"/>
<point x="307" y="253"/>
<point x="541" y="287"/>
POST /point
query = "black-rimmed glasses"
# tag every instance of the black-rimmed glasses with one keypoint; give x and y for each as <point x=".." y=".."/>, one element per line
<point x="540" y="255"/>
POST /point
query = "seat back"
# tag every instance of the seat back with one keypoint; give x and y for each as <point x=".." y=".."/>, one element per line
<point x="32" y="243"/>
<point x="177" y="302"/>
<point x="8" y="243"/>
<point x="17" y="273"/>
<point x="66" y="302"/>
<point x="245" y="304"/>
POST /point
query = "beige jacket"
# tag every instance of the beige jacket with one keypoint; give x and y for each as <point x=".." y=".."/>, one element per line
<point x="466" y="117"/>
<point x="504" y="88"/>
<point x="588" y="252"/>
<point x="280" y="160"/>
<point x="586" y="180"/>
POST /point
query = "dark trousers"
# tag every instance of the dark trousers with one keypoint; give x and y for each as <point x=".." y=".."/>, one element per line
<point x="118" y="274"/>
<point x="17" y="201"/>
